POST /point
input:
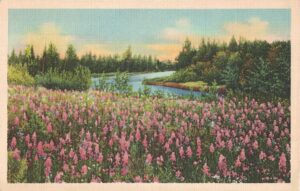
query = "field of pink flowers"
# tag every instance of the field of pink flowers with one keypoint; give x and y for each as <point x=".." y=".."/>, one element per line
<point x="64" y="136"/>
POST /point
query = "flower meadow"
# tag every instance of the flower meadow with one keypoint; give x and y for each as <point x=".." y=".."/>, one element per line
<point x="93" y="136"/>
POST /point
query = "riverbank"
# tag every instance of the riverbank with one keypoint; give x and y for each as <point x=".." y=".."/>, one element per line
<point x="195" y="86"/>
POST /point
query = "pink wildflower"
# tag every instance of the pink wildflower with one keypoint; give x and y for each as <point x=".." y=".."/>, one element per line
<point x="16" y="154"/>
<point x="282" y="163"/>
<point x="13" y="143"/>
<point x="149" y="159"/>
<point x="124" y="171"/>
<point x="242" y="155"/>
<point x="125" y="158"/>
<point x="138" y="179"/>
<point x="181" y="152"/>
<point x="145" y="143"/>
<point x="211" y="148"/>
<point x="17" y="121"/>
<point x="205" y="169"/>
<point x="173" y="157"/>
<point x="255" y="145"/>
<point x="262" y="155"/>
<point x="238" y="162"/>
<point x="269" y="142"/>
<point x="84" y="169"/>
<point x="58" y="177"/>
<point x="189" y="152"/>
<point x="82" y="153"/>
<point x="100" y="158"/>
<point x="48" y="165"/>
<point x="222" y="165"/>
<point x="49" y="128"/>
<point x="199" y="151"/>
<point x="138" y="135"/>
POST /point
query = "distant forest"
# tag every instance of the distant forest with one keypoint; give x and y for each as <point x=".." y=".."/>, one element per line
<point x="50" y="59"/>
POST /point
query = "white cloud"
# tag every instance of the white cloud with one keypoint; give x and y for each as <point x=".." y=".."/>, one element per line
<point x="178" y="32"/>
<point x="254" y="29"/>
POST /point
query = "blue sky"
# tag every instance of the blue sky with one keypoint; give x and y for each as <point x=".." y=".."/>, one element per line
<point x="157" y="32"/>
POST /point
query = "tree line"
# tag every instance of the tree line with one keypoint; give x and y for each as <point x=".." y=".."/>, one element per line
<point x="51" y="60"/>
<point x="255" y="67"/>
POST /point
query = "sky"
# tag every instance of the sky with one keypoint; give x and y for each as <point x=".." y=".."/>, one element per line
<point x="156" y="32"/>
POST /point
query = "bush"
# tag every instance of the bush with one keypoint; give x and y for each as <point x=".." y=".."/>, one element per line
<point x="184" y="75"/>
<point x="121" y="83"/>
<point x="80" y="79"/>
<point x="18" y="74"/>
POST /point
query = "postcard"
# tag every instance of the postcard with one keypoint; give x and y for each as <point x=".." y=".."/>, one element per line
<point x="154" y="96"/>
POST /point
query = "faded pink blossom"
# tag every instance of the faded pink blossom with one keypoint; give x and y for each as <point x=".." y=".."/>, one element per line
<point x="124" y="171"/>
<point x="82" y="153"/>
<point x="211" y="148"/>
<point x="13" y="143"/>
<point x="84" y="169"/>
<point x="229" y="145"/>
<point x="138" y="135"/>
<point x="145" y="142"/>
<point x="189" y="152"/>
<point x="282" y="163"/>
<point x="269" y="142"/>
<point x="242" y="155"/>
<point x="48" y="166"/>
<point x="262" y="155"/>
<point x="58" y="177"/>
<point x="117" y="159"/>
<point x="49" y="128"/>
<point x="238" y="162"/>
<point x="138" y="179"/>
<point x="125" y="158"/>
<point x="173" y="157"/>
<point x="100" y="158"/>
<point x="149" y="159"/>
<point x="222" y="165"/>
<point x="205" y="170"/>
<point x="181" y="152"/>
<point x="16" y="154"/>
<point x="199" y="151"/>
<point x="255" y="145"/>
<point x="17" y="121"/>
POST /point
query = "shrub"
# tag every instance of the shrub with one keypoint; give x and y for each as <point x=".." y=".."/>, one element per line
<point x="80" y="79"/>
<point x="18" y="74"/>
<point x="184" y="75"/>
<point x="121" y="83"/>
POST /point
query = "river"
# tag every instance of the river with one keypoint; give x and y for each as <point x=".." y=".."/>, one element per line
<point x="136" y="81"/>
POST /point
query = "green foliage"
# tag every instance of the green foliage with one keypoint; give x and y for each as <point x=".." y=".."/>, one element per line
<point x="103" y="83"/>
<point x="231" y="73"/>
<point x="258" y="82"/>
<point x="18" y="74"/>
<point x="50" y="59"/>
<point x="80" y="79"/>
<point x="183" y="75"/>
<point x="71" y="61"/>
<point x="185" y="57"/>
<point x="121" y="83"/>
<point x="17" y="169"/>
<point x="237" y="65"/>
